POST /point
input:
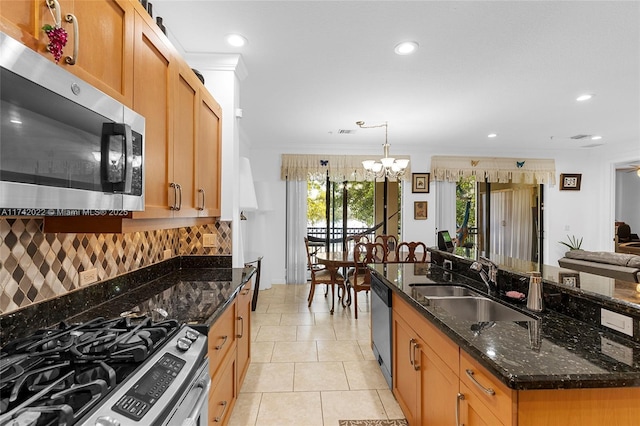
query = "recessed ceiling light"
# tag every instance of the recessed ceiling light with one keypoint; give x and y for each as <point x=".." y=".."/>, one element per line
<point x="406" y="47"/>
<point x="492" y="135"/>
<point x="584" y="97"/>
<point x="236" y="40"/>
<point x="596" y="138"/>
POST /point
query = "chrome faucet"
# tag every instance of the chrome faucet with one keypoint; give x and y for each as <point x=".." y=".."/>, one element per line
<point x="489" y="278"/>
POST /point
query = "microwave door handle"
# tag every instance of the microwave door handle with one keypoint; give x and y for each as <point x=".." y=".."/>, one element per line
<point x="128" y="155"/>
<point x="120" y="182"/>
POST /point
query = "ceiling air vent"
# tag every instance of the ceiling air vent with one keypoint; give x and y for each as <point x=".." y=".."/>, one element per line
<point x="578" y="137"/>
<point x="346" y="131"/>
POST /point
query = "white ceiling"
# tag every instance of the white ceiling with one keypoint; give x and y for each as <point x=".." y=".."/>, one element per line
<point x="509" y="67"/>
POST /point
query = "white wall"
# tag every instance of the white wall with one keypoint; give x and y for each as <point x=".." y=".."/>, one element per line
<point x="587" y="214"/>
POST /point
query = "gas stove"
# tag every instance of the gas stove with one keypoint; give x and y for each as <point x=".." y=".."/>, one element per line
<point x="120" y="371"/>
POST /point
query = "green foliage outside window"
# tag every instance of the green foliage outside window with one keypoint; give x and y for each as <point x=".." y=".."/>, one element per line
<point x="360" y="202"/>
<point x="466" y="191"/>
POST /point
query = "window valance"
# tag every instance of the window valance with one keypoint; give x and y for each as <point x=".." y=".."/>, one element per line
<point x="494" y="169"/>
<point x="339" y="167"/>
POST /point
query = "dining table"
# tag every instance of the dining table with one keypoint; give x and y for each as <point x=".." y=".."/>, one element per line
<point x="333" y="261"/>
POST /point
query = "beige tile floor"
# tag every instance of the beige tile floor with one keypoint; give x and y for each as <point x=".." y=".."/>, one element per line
<point x="308" y="367"/>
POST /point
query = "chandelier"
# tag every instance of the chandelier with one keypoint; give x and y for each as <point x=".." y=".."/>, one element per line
<point x="387" y="167"/>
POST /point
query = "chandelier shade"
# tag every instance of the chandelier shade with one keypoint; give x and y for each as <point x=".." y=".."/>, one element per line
<point x="387" y="167"/>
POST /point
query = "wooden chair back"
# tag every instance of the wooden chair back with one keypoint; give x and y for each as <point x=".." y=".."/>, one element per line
<point x="389" y="242"/>
<point x="407" y="252"/>
<point x="364" y="253"/>
<point x="351" y="241"/>
<point x="313" y="266"/>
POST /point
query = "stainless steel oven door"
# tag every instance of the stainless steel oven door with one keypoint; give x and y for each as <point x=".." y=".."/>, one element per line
<point x="192" y="407"/>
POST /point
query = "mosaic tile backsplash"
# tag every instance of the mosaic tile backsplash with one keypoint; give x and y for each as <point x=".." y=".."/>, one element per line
<point x="35" y="266"/>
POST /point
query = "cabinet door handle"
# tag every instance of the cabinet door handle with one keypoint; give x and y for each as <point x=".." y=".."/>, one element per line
<point x="411" y="353"/>
<point x="416" y="366"/>
<point x="71" y="60"/>
<point x="224" y="340"/>
<point x="241" y="328"/>
<point x="179" y="192"/>
<point x="201" y="191"/>
<point x="459" y="397"/>
<point x="174" y="206"/>
<point x="488" y="391"/>
<point x="219" y="418"/>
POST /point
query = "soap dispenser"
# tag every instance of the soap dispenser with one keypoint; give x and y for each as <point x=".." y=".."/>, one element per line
<point x="534" y="297"/>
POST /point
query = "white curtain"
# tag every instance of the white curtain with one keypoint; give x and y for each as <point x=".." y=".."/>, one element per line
<point x="296" y="267"/>
<point x="511" y="223"/>
<point x="445" y="207"/>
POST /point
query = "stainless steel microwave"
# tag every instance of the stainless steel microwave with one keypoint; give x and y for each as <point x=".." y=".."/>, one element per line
<point x="63" y="143"/>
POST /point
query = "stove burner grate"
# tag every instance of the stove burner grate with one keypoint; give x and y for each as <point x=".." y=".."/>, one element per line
<point x="55" y="377"/>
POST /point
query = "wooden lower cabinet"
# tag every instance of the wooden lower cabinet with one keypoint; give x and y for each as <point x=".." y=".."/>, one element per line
<point x="579" y="407"/>
<point x="221" y="339"/>
<point x="243" y="333"/>
<point x="473" y="412"/>
<point x="434" y="382"/>
<point x="405" y="377"/>
<point x="439" y="385"/>
<point x="224" y="391"/>
<point x="229" y="355"/>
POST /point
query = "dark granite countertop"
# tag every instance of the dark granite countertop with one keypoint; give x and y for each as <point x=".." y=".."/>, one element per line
<point x="194" y="290"/>
<point x="192" y="296"/>
<point x="568" y="353"/>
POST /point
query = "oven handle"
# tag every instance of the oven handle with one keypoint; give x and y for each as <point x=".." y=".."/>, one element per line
<point x="204" y="383"/>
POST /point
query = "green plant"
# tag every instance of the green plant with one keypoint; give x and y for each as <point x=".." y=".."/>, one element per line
<point x="573" y="243"/>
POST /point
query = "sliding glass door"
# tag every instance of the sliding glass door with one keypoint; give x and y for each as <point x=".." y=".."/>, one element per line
<point x="499" y="219"/>
<point x="339" y="209"/>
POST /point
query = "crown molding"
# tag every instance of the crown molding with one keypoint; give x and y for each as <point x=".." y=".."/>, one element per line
<point x="218" y="62"/>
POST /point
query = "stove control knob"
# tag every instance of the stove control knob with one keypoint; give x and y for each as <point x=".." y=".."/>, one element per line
<point x="183" y="344"/>
<point x="107" y="421"/>
<point x="192" y="335"/>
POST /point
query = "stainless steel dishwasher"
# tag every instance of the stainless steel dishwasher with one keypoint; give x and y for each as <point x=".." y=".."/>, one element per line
<point x="381" y="326"/>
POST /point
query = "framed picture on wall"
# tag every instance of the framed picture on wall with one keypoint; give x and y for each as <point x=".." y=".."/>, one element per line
<point x="420" y="182"/>
<point x="420" y="210"/>
<point x="570" y="181"/>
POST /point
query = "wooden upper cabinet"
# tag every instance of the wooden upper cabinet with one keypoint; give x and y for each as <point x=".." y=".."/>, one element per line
<point x="208" y="149"/>
<point x="153" y="76"/>
<point x="105" y="51"/>
<point x="182" y="158"/>
<point x="105" y="35"/>
<point x="123" y="53"/>
<point x="23" y="20"/>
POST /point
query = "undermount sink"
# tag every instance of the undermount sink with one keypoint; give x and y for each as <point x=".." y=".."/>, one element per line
<point x="479" y="309"/>
<point x="441" y="291"/>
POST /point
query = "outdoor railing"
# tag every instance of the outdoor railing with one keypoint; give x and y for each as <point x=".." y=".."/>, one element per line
<point x="319" y="234"/>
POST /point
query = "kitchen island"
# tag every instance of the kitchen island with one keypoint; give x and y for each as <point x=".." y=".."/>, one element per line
<point x="549" y="369"/>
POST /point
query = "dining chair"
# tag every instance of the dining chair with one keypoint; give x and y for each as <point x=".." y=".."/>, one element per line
<point x="351" y="241"/>
<point x="363" y="254"/>
<point x="389" y="242"/>
<point x="320" y="275"/>
<point x="406" y="252"/>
